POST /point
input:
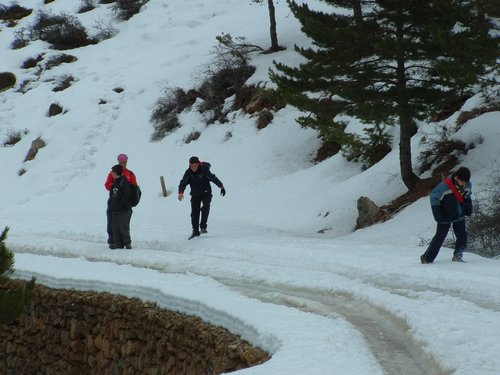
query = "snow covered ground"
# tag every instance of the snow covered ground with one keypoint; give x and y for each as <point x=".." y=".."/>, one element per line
<point x="331" y="303"/>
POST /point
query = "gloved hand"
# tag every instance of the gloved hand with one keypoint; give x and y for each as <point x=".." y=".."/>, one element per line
<point x="222" y="191"/>
<point x="180" y="197"/>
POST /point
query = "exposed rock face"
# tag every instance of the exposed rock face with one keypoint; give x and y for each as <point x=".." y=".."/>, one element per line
<point x="71" y="332"/>
<point x="368" y="213"/>
<point x="35" y="146"/>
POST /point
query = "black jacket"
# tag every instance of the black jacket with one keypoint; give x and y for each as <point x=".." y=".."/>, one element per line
<point x="119" y="195"/>
<point x="199" y="181"/>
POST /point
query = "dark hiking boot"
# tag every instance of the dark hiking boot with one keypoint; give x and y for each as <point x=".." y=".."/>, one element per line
<point x="457" y="258"/>
<point x="113" y="246"/>
<point x="195" y="234"/>
<point x="203" y="230"/>
<point x="129" y="246"/>
<point x="422" y="259"/>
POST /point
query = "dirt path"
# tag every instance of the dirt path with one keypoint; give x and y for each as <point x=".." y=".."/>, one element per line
<point x="387" y="336"/>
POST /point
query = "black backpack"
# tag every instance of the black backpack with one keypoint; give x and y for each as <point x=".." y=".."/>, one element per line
<point x="135" y="195"/>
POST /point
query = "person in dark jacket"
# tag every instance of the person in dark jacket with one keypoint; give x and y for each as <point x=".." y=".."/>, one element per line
<point x="130" y="176"/>
<point x="121" y="210"/>
<point x="198" y="177"/>
<point x="450" y="203"/>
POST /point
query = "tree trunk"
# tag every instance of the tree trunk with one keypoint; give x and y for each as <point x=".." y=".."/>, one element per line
<point x="272" y="18"/>
<point x="407" y="130"/>
<point x="358" y="14"/>
<point x="406" y="123"/>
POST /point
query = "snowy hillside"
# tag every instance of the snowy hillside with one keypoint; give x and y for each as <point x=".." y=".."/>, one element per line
<point x="340" y="302"/>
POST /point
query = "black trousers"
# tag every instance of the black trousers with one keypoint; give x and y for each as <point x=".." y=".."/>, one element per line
<point x="438" y="239"/>
<point x="109" y="227"/>
<point x="120" y="222"/>
<point x="200" y="203"/>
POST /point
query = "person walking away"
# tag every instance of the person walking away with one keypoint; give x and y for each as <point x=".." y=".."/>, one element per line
<point x="121" y="210"/>
<point x="131" y="178"/>
<point x="450" y="203"/>
<point x="198" y="176"/>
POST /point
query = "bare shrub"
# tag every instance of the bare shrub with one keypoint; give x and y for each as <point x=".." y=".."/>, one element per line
<point x="167" y="108"/>
<point x="32" y="62"/>
<point x="440" y="151"/>
<point x="225" y="76"/>
<point x="7" y="81"/>
<point x="57" y="60"/>
<point x="465" y="116"/>
<point x="63" y="82"/>
<point x="13" y="137"/>
<point x="87" y="6"/>
<point x="105" y="30"/>
<point x="13" y="12"/>
<point x="484" y="225"/>
<point x="62" y="31"/>
<point x="126" y="9"/>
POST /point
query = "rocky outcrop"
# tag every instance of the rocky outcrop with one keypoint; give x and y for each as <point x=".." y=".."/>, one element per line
<point x="71" y="332"/>
<point x="36" y="145"/>
<point x="368" y="213"/>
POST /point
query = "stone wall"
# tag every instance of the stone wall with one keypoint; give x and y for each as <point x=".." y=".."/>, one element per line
<point x="72" y="332"/>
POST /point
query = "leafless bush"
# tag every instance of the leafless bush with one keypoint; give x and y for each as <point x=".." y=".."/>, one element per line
<point x="441" y="149"/>
<point x="126" y="9"/>
<point x="13" y="137"/>
<point x="484" y="224"/>
<point x="63" y="82"/>
<point x="62" y="31"/>
<point x="13" y="12"/>
<point x="32" y="62"/>
<point x="105" y="30"/>
<point x="87" y="5"/>
<point x="167" y="108"/>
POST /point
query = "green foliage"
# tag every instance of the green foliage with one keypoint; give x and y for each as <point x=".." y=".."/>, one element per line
<point x="371" y="148"/>
<point x="12" y="299"/>
<point x="6" y="258"/>
<point x="386" y="62"/>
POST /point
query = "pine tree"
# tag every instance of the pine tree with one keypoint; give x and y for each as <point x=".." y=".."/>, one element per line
<point x="12" y="299"/>
<point x="387" y="61"/>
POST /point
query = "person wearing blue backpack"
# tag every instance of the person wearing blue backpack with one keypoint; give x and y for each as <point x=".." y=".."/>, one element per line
<point x="198" y="176"/>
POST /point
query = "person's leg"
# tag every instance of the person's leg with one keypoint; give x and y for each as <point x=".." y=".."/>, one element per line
<point x="205" y="210"/>
<point x="109" y="226"/>
<point x="436" y="242"/>
<point x="115" y="224"/>
<point x="461" y="242"/>
<point x="195" y="213"/>
<point x="125" y="228"/>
